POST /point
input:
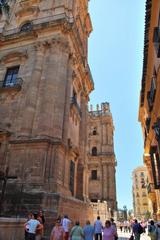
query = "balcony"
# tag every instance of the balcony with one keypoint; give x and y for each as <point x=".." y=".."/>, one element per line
<point x="15" y="85"/>
<point x="156" y="128"/>
<point x="150" y="188"/>
<point x="75" y="104"/>
<point x="151" y="191"/>
<point x="151" y="94"/>
<point x="148" y="121"/>
<point x="156" y="40"/>
<point x="94" y="179"/>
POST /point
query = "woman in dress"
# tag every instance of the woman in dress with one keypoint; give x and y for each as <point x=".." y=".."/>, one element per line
<point x="57" y="231"/>
<point x="76" y="232"/>
<point x="109" y="232"/>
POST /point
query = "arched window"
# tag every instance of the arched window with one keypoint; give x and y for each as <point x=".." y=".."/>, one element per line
<point x="26" y="27"/>
<point x="95" y="131"/>
<point x="94" y="151"/>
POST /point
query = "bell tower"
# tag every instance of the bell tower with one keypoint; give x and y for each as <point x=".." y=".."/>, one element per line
<point x="45" y="82"/>
<point x="101" y="157"/>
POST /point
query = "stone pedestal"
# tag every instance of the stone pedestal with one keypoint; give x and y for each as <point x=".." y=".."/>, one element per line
<point x="53" y="205"/>
<point x="12" y="228"/>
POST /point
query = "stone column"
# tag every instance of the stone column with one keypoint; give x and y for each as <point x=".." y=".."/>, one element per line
<point x="112" y="185"/>
<point x="51" y="108"/>
<point x="32" y="93"/>
<point x="104" y="178"/>
<point x="104" y="132"/>
<point x="80" y="178"/>
<point x="67" y="100"/>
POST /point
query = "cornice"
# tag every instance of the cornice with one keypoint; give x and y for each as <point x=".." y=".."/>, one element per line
<point x="13" y="56"/>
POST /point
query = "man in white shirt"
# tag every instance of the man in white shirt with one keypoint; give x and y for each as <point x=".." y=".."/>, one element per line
<point x="98" y="229"/>
<point x="66" y="224"/>
<point x="32" y="225"/>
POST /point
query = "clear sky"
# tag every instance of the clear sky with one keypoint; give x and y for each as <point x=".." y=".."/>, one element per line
<point x="116" y="59"/>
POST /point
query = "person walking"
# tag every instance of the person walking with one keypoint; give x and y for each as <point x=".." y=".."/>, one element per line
<point x="42" y="216"/>
<point x="152" y="230"/>
<point x="113" y="225"/>
<point x="135" y="229"/>
<point x="158" y="231"/>
<point x="98" y="229"/>
<point x="109" y="232"/>
<point x="88" y="231"/>
<point x="40" y="230"/>
<point x="77" y="232"/>
<point x="26" y="226"/>
<point x="57" y="232"/>
<point x="32" y="225"/>
<point x="66" y="222"/>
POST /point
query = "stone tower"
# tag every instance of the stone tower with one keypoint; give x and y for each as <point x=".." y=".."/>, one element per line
<point x="101" y="157"/>
<point x="45" y="82"/>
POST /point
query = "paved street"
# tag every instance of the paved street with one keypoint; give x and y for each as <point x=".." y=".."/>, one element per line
<point x="125" y="236"/>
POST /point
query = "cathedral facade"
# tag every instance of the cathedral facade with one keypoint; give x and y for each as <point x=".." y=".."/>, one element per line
<point x="47" y="156"/>
<point x="45" y="82"/>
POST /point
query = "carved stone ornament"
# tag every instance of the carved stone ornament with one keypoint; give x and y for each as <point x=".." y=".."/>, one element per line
<point x="27" y="11"/>
<point x="13" y="57"/>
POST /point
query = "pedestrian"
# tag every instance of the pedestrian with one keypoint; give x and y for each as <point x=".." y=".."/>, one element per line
<point x="152" y="230"/>
<point x="88" y="231"/>
<point x="98" y="229"/>
<point x="113" y="225"/>
<point x="135" y="229"/>
<point x="32" y="225"/>
<point x="121" y="226"/>
<point x="57" y="232"/>
<point x="40" y="230"/>
<point x="109" y="232"/>
<point x="41" y="214"/>
<point x="66" y="222"/>
<point x="26" y="226"/>
<point x="158" y="231"/>
<point x="77" y="232"/>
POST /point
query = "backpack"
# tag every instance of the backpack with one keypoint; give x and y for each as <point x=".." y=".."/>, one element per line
<point x="140" y="229"/>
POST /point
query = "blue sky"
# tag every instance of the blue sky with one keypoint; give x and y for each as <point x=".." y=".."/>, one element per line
<point x="116" y="58"/>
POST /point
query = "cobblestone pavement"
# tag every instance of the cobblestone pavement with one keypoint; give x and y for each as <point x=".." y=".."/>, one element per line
<point x="125" y="236"/>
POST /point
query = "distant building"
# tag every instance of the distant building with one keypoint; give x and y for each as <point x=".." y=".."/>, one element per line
<point x="101" y="157"/>
<point x="149" y="109"/>
<point x="140" y="194"/>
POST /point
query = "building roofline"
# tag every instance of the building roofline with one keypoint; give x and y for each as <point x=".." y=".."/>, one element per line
<point x="146" y="48"/>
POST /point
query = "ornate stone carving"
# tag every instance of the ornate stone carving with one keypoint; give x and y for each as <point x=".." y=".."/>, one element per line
<point x="13" y="57"/>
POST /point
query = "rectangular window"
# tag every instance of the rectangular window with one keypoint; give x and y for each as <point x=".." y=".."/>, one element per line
<point x="11" y="76"/>
<point x="72" y="170"/>
<point x="94" y="175"/>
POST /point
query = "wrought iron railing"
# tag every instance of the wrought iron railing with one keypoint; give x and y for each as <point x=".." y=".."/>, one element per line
<point x="17" y="83"/>
<point x="75" y="103"/>
<point x="151" y="93"/>
<point x="150" y="188"/>
<point x="156" y="40"/>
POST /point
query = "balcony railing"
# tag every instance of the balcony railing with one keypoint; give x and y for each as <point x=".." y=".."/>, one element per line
<point x="156" y="40"/>
<point x="151" y="94"/>
<point x="148" y="121"/>
<point x="94" y="179"/>
<point x="75" y="103"/>
<point x="150" y="188"/>
<point x="17" y="84"/>
<point x="156" y="128"/>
